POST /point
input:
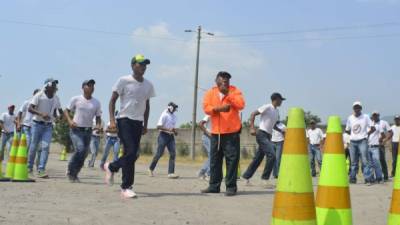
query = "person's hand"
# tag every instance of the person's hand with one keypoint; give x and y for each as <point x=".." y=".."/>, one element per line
<point x="18" y="127"/>
<point x="174" y="131"/>
<point x="112" y="127"/>
<point x="253" y="131"/>
<point x="144" y="131"/>
<point x="45" y="116"/>
<point x="72" y="125"/>
<point x="223" y="108"/>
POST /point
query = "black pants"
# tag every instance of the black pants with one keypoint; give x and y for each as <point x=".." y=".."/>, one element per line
<point x="395" y="148"/>
<point x="129" y="132"/>
<point x="265" y="148"/>
<point x="382" y="159"/>
<point x="227" y="145"/>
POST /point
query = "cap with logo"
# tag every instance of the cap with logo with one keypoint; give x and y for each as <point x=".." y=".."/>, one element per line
<point x="139" y="58"/>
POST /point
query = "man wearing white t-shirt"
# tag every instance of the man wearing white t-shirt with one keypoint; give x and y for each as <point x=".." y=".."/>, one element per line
<point x="269" y="117"/>
<point x="44" y="106"/>
<point x="135" y="92"/>
<point x="24" y="119"/>
<point x="166" y="138"/>
<point x="85" y="107"/>
<point x="394" y="136"/>
<point x="112" y="142"/>
<point x="359" y="127"/>
<point x="315" y="138"/>
<point x="97" y="133"/>
<point x="385" y="127"/>
<point x="204" y="125"/>
<point x="277" y="139"/>
<point x="7" y="124"/>
<point x="374" y="143"/>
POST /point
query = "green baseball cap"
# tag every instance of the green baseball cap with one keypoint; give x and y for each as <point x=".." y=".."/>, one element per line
<point x="139" y="58"/>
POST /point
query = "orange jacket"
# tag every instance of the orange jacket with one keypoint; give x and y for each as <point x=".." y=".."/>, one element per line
<point x="224" y="122"/>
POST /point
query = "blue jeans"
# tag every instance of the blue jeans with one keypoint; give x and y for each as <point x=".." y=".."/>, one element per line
<point x="314" y="153"/>
<point x="360" y="149"/>
<point x="110" y="142"/>
<point x="81" y="142"/>
<point x="278" y="154"/>
<point x="165" y="140"/>
<point x="41" y="134"/>
<point x="94" y="149"/>
<point x="375" y="162"/>
<point x="265" y="148"/>
<point x="6" y="139"/>
<point x="205" y="169"/>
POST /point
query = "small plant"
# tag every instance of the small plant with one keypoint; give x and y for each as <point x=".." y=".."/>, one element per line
<point x="182" y="149"/>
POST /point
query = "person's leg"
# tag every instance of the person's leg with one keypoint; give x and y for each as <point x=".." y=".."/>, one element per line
<point x="382" y="159"/>
<point x="130" y="133"/>
<point x="115" y="149"/>
<point x="269" y="152"/>
<point x="216" y="158"/>
<point x="27" y="132"/>
<point x="258" y="157"/>
<point x="106" y="151"/>
<point x="366" y="160"/>
<point x="94" y="148"/>
<point x="3" y="146"/>
<point x="231" y="147"/>
<point x="45" y="146"/>
<point x="395" y="148"/>
<point x="354" y="156"/>
<point x="77" y="138"/>
<point x="162" y="143"/>
<point x="37" y="131"/>
<point x="172" y="155"/>
<point x="376" y="164"/>
<point x="278" y="155"/>
<point x="9" y="137"/>
<point x="311" y="155"/>
<point x="205" y="169"/>
<point x="318" y="157"/>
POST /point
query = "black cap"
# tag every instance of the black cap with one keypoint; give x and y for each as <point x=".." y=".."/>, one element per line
<point x="276" y="95"/>
<point x="397" y="117"/>
<point x="86" y="82"/>
<point x="224" y="74"/>
<point x="50" y="81"/>
<point x="173" y="105"/>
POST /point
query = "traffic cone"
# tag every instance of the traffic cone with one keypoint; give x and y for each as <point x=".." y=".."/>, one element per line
<point x="333" y="204"/>
<point x="2" y="178"/>
<point x="394" y="212"/>
<point x="120" y="153"/>
<point x="63" y="155"/>
<point x="21" y="166"/>
<point x="11" y="159"/>
<point x="294" y="197"/>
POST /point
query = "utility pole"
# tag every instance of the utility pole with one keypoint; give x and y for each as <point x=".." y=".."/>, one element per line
<point x="196" y="83"/>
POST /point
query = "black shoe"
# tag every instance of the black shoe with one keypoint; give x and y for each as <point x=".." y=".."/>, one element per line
<point x="230" y="192"/>
<point x="208" y="190"/>
<point x="353" y="181"/>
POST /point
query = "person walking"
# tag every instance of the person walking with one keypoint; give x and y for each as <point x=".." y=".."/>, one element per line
<point x="315" y="140"/>
<point x="394" y="136"/>
<point x="278" y="138"/>
<point x="112" y="142"/>
<point x="204" y="125"/>
<point x="97" y="133"/>
<point x="374" y="144"/>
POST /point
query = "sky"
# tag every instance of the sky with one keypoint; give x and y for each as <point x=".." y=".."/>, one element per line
<point x="321" y="55"/>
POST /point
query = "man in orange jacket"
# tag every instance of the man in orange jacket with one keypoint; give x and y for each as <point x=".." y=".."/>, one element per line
<point x="223" y="103"/>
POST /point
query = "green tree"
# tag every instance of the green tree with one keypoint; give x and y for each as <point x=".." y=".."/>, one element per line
<point x="308" y="116"/>
<point x="187" y="125"/>
<point x="61" y="134"/>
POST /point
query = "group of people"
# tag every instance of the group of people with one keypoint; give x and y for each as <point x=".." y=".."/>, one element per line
<point x="221" y="128"/>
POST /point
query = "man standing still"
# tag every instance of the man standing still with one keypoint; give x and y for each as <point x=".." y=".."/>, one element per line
<point x="394" y="136"/>
<point x="7" y="124"/>
<point x="223" y="103"/>
<point x="315" y="138"/>
<point x="135" y="92"/>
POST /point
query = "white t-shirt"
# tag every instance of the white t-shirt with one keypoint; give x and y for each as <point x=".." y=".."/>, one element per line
<point x="134" y="95"/>
<point x="269" y="117"/>
<point x="45" y="105"/>
<point x="315" y="136"/>
<point x="358" y="126"/>
<point x="85" y="110"/>
<point x="8" y="122"/>
<point x="94" y="133"/>
<point x="111" y="134"/>
<point x="396" y="133"/>
<point x="276" y="135"/>
<point x="373" y="138"/>
<point x="207" y="125"/>
<point x="384" y="126"/>
<point x="167" y="120"/>
<point x="26" y="115"/>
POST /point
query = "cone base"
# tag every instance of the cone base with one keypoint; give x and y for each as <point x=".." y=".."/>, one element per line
<point x="23" y="181"/>
<point x="63" y="160"/>
<point x="292" y="222"/>
<point x="5" y="179"/>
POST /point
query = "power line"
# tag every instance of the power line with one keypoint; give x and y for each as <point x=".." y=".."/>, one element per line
<point x="321" y="29"/>
<point x="52" y="26"/>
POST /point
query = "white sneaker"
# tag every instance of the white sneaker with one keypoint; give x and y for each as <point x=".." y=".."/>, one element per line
<point x="109" y="178"/>
<point x="173" y="176"/>
<point x="247" y="181"/>
<point x="128" y="193"/>
<point x="267" y="184"/>
<point x="151" y="173"/>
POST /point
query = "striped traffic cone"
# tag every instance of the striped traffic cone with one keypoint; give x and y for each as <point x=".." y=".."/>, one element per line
<point x="333" y="195"/>
<point x="11" y="159"/>
<point x="21" y="166"/>
<point x="394" y="212"/>
<point x="63" y="155"/>
<point x="294" y="197"/>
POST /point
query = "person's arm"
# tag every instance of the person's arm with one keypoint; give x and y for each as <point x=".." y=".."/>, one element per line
<point x="389" y="136"/>
<point x="203" y="128"/>
<point x="372" y="129"/>
<point x="32" y="109"/>
<point x="252" y="118"/>
<point x="277" y="128"/>
<point x="18" y="121"/>
<point x="71" y="123"/>
<point x="382" y="138"/>
<point x="236" y="100"/>
<point x="111" y="111"/>
<point x="146" y="116"/>
<point x="348" y="127"/>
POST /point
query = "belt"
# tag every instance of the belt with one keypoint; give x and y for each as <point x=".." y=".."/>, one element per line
<point x="26" y="126"/>
<point x="315" y="145"/>
<point x="83" y="129"/>
<point x="374" y="146"/>
<point x="269" y="136"/>
<point x="43" y="123"/>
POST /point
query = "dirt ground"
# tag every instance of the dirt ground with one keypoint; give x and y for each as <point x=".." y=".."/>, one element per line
<point x="161" y="200"/>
